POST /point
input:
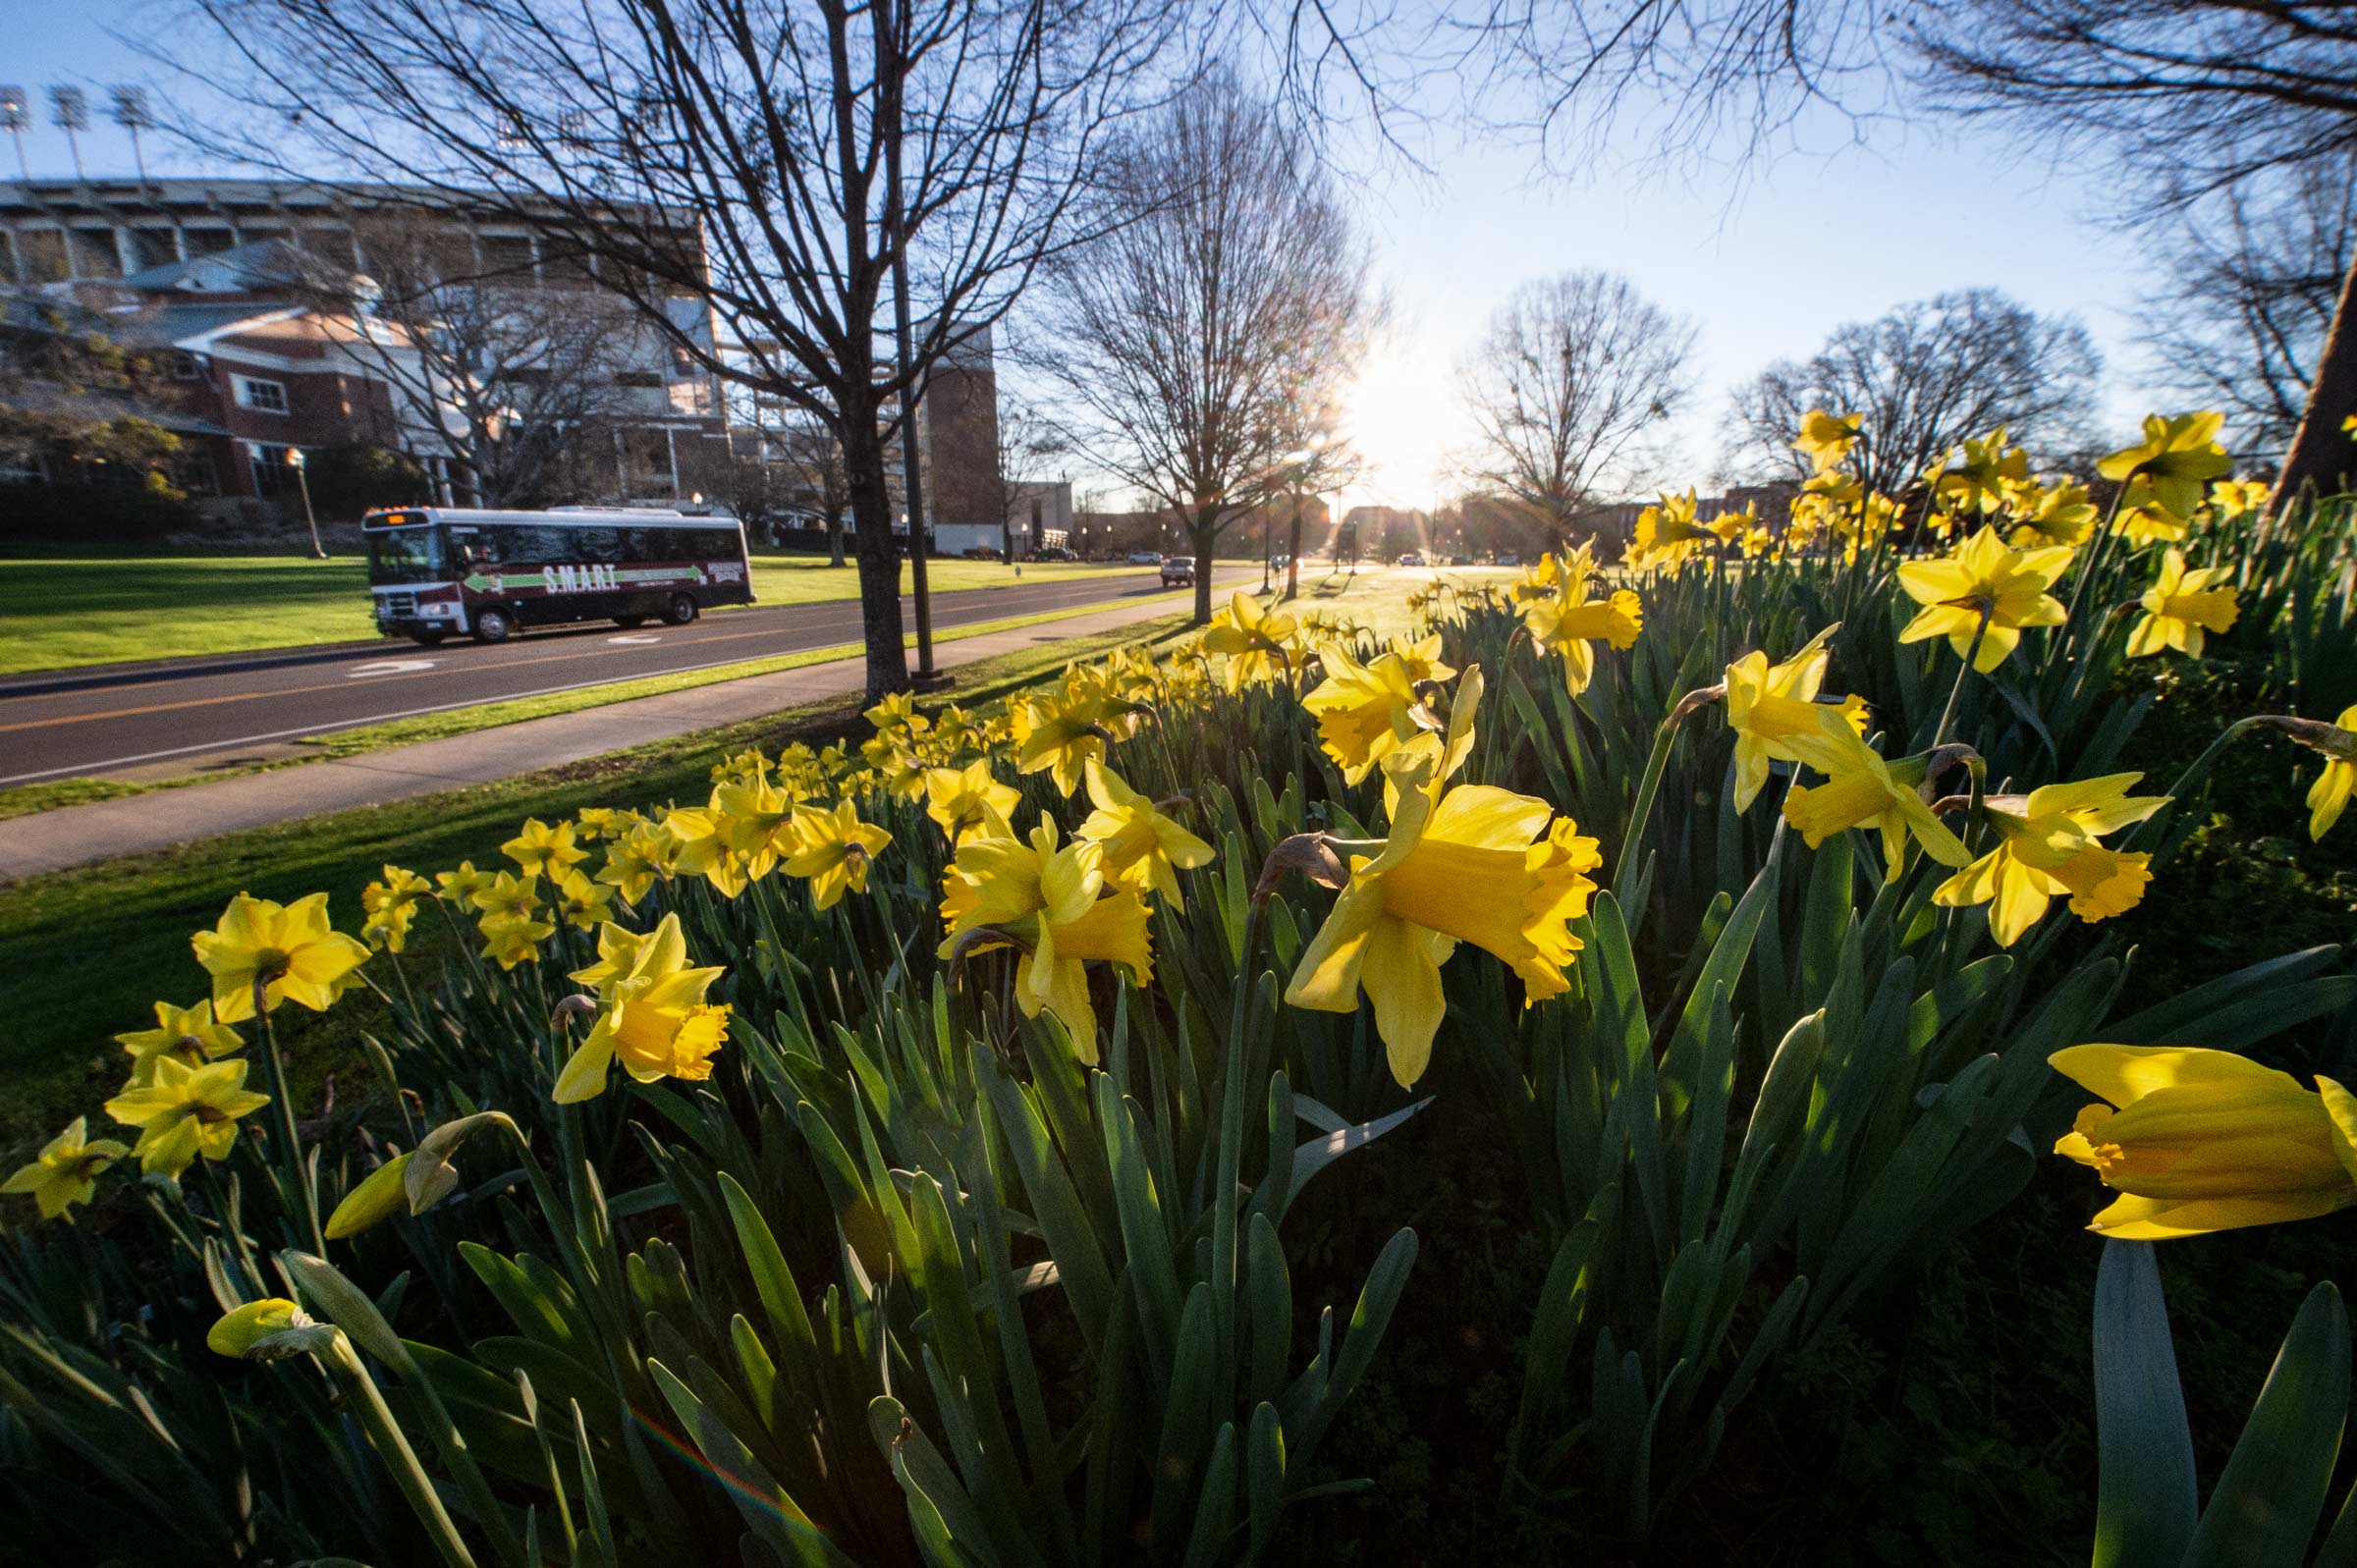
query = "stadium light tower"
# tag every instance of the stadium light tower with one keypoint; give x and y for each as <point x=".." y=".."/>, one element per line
<point x="69" y="112"/>
<point x="130" y="111"/>
<point x="16" y="117"/>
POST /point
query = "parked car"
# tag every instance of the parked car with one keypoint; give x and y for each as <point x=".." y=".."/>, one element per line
<point x="1509" y="561"/>
<point x="1054" y="553"/>
<point x="1176" y="569"/>
<point x="1412" y="558"/>
<point x="1145" y="557"/>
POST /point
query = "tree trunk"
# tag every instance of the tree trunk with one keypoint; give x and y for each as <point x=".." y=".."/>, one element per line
<point x="879" y="558"/>
<point x="2322" y="453"/>
<point x="1204" y="533"/>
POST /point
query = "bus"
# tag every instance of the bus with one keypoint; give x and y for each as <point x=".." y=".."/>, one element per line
<point x="440" y="572"/>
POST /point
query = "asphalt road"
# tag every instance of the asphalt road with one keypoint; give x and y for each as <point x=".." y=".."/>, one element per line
<point x="81" y="722"/>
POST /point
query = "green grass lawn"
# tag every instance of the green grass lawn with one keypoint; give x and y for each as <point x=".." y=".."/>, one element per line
<point x="60" y="612"/>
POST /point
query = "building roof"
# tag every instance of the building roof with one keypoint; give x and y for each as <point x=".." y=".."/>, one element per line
<point x="242" y="269"/>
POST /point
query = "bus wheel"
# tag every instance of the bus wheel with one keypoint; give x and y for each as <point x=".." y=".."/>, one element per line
<point x="681" y="610"/>
<point x="492" y="626"/>
<point x="428" y="639"/>
<point x="629" y="622"/>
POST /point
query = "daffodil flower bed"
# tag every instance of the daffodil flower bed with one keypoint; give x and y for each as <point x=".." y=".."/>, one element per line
<point x="893" y="1155"/>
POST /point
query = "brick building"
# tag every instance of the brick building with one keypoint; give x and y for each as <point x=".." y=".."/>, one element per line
<point x="215" y="277"/>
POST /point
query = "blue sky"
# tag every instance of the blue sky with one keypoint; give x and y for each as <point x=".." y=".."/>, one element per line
<point x="1812" y="240"/>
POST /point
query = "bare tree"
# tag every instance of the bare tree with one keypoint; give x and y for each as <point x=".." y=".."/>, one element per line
<point x="1570" y="392"/>
<point x="2186" y="99"/>
<point x="776" y="160"/>
<point x="72" y="390"/>
<point x="512" y="384"/>
<point x="1202" y="344"/>
<point x="2252" y="281"/>
<point x="1924" y="377"/>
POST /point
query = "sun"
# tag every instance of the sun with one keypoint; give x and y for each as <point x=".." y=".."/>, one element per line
<point x="1403" y="416"/>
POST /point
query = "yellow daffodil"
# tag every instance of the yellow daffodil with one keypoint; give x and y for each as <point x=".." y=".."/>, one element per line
<point x="2236" y="497"/>
<point x="1666" y="534"/>
<point x="542" y="851"/>
<point x="388" y="930"/>
<point x="1825" y="439"/>
<point x="1774" y="712"/>
<point x="1982" y="576"/>
<point x="388" y="907"/>
<point x="2142" y="518"/>
<point x="833" y="849"/>
<point x="635" y="859"/>
<point x="2330" y="792"/>
<point x="1362" y="710"/>
<point x="1143" y="850"/>
<point x="2049" y="847"/>
<point x="655" y="1021"/>
<point x="1756" y="541"/>
<point x="963" y="799"/>
<point x="618" y="950"/>
<point x="511" y="939"/>
<point x="1729" y="527"/>
<point x="1057" y="734"/>
<point x="2059" y="513"/>
<point x="590" y="824"/>
<point x="1477" y="864"/>
<point x="185" y="1111"/>
<point x="250" y="1329"/>
<point x="1975" y="476"/>
<point x="289" y="950"/>
<point x="2177" y="456"/>
<point x="508" y="897"/>
<point x="1258" y="642"/>
<point x="65" y="1172"/>
<point x="755" y="819"/>
<point x="898" y="711"/>
<point x="460" y="885"/>
<point x="582" y="903"/>
<point x="190" y="1036"/>
<point x="704" y="852"/>
<point x="1568" y="620"/>
<point x="1055" y="905"/>
<point x="2181" y="607"/>
<point x="2196" y="1141"/>
<point x="1860" y="790"/>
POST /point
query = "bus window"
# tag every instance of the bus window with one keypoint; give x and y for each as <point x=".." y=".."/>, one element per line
<point x="600" y="545"/>
<point x="405" y="556"/>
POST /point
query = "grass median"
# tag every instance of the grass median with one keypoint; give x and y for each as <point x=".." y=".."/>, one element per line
<point x="67" y="612"/>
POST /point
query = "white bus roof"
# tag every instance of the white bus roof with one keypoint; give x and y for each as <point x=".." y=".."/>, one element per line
<point x="409" y="516"/>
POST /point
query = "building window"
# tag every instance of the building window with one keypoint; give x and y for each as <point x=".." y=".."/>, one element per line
<point x="153" y="248"/>
<point x="187" y="367"/>
<point x="638" y="378"/>
<point x="45" y="255"/>
<point x="265" y="396"/>
<point x="273" y="475"/>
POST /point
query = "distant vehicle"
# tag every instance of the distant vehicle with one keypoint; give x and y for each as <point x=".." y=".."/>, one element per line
<point x="1176" y="569"/>
<point x="1509" y="561"/>
<point x="1145" y="557"/>
<point x="1054" y="553"/>
<point x="440" y="572"/>
<point x="1280" y="563"/>
<point x="1412" y="558"/>
<point x="1460" y="560"/>
<point x="982" y="553"/>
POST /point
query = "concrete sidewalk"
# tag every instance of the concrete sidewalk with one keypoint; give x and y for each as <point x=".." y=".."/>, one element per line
<point x="75" y="835"/>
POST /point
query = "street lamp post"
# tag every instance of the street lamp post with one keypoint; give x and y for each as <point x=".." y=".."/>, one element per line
<point x="303" y="484"/>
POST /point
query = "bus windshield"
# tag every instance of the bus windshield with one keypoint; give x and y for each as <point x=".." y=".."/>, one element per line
<point x="405" y="555"/>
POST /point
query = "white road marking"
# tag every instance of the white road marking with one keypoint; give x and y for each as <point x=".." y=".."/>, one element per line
<point x="636" y="640"/>
<point x="391" y="666"/>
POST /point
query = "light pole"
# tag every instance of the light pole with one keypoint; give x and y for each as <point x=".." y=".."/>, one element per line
<point x="294" y="461"/>
<point x="16" y="117"/>
<point x="69" y="112"/>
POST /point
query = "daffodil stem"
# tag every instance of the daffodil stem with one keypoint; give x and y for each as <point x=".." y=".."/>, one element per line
<point x="367" y="1404"/>
<point x="282" y="1104"/>
<point x="1971" y="654"/>
<point x="1632" y="845"/>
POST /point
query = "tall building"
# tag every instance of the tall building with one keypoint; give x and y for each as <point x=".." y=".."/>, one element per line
<point x="219" y="279"/>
